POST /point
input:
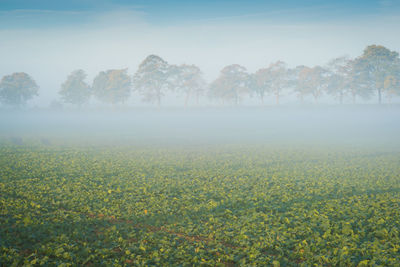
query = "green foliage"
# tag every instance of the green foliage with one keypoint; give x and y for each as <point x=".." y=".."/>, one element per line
<point x="221" y="206"/>
<point x="231" y="85"/>
<point x="16" y="89"/>
<point x="75" y="90"/>
<point x="188" y="80"/>
<point x="376" y="64"/>
<point x="153" y="79"/>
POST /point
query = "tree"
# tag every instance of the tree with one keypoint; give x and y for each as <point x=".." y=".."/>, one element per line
<point x="377" y="62"/>
<point x="75" y="90"/>
<point x="189" y="80"/>
<point x="260" y="83"/>
<point x="112" y="86"/>
<point x="339" y="71"/>
<point x="231" y="84"/>
<point x="153" y="79"/>
<point x="391" y="86"/>
<point x="16" y="89"/>
<point x="272" y="79"/>
<point x="298" y="80"/>
<point x="313" y="81"/>
<point x="358" y="82"/>
<point x="279" y="78"/>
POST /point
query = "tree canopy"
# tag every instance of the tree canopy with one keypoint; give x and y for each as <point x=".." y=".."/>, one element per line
<point x="231" y="84"/>
<point x="376" y="64"/>
<point x="112" y="86"/>
<point x="376" y="72"/>
<point x="339" y="71"/>
<point x="75" y="90"/>
<point x="16" y="89"/>
<point x="189" y="81"/>
<point x="278" y="73"/>
<point x="153" y="79"/>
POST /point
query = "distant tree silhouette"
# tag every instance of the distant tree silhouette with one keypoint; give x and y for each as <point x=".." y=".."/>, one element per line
<point x="279" y="78"/>
<point x="231" y="84"/>
<point x="153" y="79"/>
<point x="16" y="89"/>
<point x="75" y="90"/>
<point x="377" y="62"/>
<point x="188" y="80"/>
<point x="112" y="86"/>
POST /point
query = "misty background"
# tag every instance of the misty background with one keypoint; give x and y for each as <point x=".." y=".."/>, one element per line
<point x="49" y="39"/>
<point x="354" y="127"/>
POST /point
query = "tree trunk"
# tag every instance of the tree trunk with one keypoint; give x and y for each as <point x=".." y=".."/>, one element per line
<point x="341" y="98"/>
<point x="187" y="99"/>
<point x="158" y="101"/>
<point x="236" y="100"/>
<point x="380" y="95"/>
<point x="262" y="99"/>
<point x="277" y="97"/>
<point x="197" y="98"/>
<point x="354" y="98"/>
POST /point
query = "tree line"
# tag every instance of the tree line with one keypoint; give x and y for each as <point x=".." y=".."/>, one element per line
<point x="375" y="72"/>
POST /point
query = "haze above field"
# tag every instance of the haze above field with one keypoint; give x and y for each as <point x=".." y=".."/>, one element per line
<point x="49" y="39"/>
<point x="365" y="126"/>
<point x="188" y="133"/>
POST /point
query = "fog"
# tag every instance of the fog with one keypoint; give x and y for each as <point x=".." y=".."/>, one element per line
<point x="48" y="41"/>
<point x="213" y="132"/>
<point x="354" y="127"/>
<point x="49" y="44"/>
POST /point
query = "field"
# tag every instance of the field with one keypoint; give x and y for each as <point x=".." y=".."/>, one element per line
<point x="222" y="205"/>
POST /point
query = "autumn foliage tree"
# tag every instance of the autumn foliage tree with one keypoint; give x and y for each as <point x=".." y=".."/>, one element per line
<point x="298" y="81"/>
<point x="375" y="72"/>
<point x="278" y="73"/>
<point x="112" y="86"/>
<point x="391" y="85"/>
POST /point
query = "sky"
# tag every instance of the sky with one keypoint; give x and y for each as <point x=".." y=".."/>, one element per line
<point x="49" y="39"/>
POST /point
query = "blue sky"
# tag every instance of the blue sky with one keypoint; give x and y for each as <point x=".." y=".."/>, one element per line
<point x="48" y="39"/>
<point x="178" y="11"/>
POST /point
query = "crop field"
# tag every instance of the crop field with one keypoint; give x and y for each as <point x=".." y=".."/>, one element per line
<point x="226" y="205"/>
